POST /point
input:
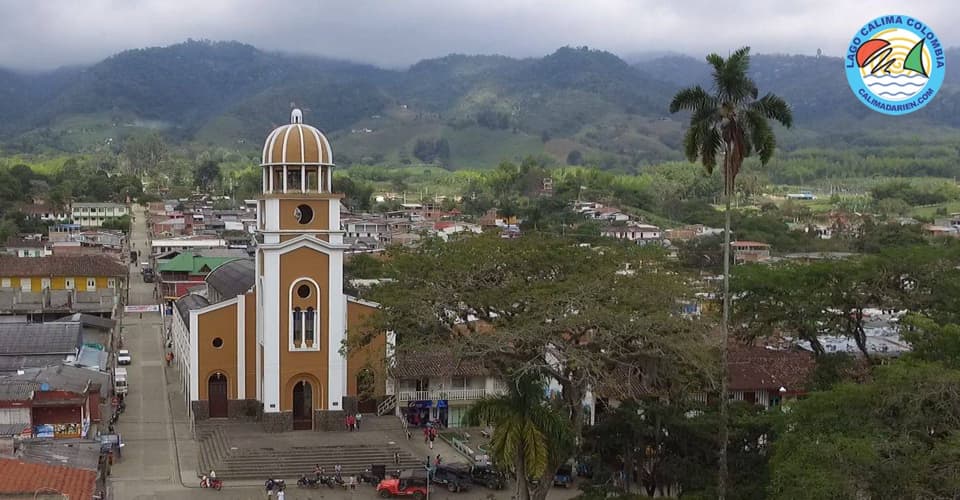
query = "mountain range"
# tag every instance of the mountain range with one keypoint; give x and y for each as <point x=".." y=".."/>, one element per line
<point x="483" y="109"/>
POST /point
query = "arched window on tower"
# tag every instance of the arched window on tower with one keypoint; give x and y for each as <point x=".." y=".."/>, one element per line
<point x="309" y="323"/>
<point x="304" y="326"/>
<point x="297" y="327"/>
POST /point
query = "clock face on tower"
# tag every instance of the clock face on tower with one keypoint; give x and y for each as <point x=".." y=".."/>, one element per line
<point x="303" y="214"/>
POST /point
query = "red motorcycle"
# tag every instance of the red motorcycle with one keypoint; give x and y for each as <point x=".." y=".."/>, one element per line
<point x="209" y="482"/>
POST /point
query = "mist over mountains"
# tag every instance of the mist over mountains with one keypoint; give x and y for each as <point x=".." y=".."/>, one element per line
<point x="485" y="108"/>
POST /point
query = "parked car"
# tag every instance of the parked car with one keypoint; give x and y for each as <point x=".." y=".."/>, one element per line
<point x="563" y="476"/>
<point x="411" y="483"/>
<point x="453" y="479"/>
<point x="123" y="357"/>
<point x="485" y="475"/>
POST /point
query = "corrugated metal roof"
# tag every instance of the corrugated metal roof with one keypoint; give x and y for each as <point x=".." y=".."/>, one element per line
<point x="13" y="429"/>
<point x="76" y="453"/>
<point x="39" y="338"/>
<point x="232" y="278"/>
<point x="10" y="364"/>
<point x="17" y="390"/>
<point x="65" y="378"/>
<point x="189" y="262"/>
<point x="187" y="303"/>
<point x="90" y="320"/>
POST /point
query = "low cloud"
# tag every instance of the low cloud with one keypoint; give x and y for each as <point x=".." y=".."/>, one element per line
<point x="45" y="35"/>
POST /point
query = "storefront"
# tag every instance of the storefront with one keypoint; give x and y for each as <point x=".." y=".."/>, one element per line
<point x="418" y="413"/>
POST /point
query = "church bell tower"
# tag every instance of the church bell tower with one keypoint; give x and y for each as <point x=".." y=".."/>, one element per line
<point x="301" y="319"/>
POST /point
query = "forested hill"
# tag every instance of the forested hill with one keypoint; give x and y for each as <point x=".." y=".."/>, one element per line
<point x="461" y="111"/>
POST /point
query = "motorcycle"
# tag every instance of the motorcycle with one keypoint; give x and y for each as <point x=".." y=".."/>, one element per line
<point x="208" y="482"/>
<point x="306" y="482"/>
<point x="329" y="481"/>
<point x="367" y="477"/>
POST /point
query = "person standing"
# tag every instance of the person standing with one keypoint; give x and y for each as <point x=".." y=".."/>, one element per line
<point x="433" y="435"/>
<point x="359" y="418"/>
<point x="338" y="471"/>
<point x="280" y="494"/>
<point x="269" y="485"/>
<point x="396" y="457"/>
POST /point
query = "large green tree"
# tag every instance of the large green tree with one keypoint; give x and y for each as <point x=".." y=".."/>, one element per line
<point x="144" y="152"/>
<point x="730" y="122"/>
<point x="894" y="437"/>
<point x="207" y="175"/>
<point x="546" y="306"/>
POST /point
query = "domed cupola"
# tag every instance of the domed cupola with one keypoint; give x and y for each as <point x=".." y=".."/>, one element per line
<point x="296" y="159"/>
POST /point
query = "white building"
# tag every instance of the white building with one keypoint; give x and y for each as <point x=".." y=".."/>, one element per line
<point x="640" y="233"/>
<point x="93" y="214"/>
<point x="186" y="243"/>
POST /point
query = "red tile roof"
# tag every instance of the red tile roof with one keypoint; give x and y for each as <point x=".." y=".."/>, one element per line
<point x="22" y="478"/>
<point x="61" y="265"/>
<point x="755" y="368"/>
<point x="437" y="363"/>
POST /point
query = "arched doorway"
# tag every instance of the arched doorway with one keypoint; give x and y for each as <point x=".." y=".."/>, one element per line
<point x="217" y="395"/>
<point x="302" y="406"/>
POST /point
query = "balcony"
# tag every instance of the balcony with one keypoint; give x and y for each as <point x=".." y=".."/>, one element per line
<point x="447" y="394"/>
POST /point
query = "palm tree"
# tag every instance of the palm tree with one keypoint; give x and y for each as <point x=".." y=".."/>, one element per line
<point x="528" y="432"/>
<point x="731" y="123"/>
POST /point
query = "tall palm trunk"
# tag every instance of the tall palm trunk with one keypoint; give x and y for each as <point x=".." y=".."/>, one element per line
<point x="724" y="335"/>
<point x="523" y="489"/>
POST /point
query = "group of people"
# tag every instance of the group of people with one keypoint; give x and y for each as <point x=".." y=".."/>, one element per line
<point x="352" y="422"/>
<point x="320" y="473"/>
<point x="275" y="488"/>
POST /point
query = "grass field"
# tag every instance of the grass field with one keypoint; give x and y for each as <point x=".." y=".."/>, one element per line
<point x="930" y="211"/>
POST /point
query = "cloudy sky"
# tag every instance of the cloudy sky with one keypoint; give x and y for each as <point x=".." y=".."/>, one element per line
<point x="50" y="33"/>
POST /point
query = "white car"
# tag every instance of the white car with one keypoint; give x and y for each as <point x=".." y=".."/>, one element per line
<point x="123" y="357"/>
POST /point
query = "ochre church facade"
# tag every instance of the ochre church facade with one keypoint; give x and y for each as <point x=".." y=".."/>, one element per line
<point x="266" y="339"/>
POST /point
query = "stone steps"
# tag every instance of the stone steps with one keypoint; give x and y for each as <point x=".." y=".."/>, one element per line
<point x="290" y="463"/>
<point x="214" y="447"/>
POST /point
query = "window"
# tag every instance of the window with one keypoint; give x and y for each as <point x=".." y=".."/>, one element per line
<point x="458" y="383"/>
<point x="25" y="284"/>
<point x="304" y="214"/>
<point x="44" y="283"/>
<point x="309" y="336"/>
<point x="69" y="283"/>
<point x="5" y="283"/>
<point x="297" y="327"/>
<point x="304" y="315"/>
<point x="111" y="283"/>
<point x="91" y="283"/>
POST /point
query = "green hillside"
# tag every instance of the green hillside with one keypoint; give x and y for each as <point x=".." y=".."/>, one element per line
<point x="586" y="104"/>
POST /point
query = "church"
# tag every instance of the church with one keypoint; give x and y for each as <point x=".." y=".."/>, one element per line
<point x="265" y="340"/>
